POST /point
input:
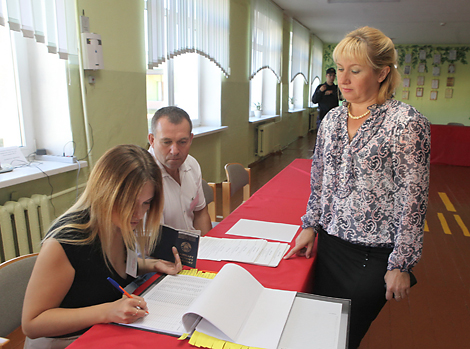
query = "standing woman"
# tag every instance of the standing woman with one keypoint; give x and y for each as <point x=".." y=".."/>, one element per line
<point x="369" y="182"/>
<point x="68" y="291"/>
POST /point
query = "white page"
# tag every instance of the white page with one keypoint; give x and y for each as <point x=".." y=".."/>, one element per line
<point x="237" y="250"/>
<point x="252" y="316"/>
<point x="12" y="156"/>
<point x="312" y="324"/>
<point x="264" y="230"/>
<point x="227" y="301"/>
<point x="168" y="301"/>
<point x="208" y="248"/>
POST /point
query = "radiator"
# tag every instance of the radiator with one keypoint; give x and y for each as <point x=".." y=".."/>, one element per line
<point x="23" y="225"/>
<point x="268" y="139"/>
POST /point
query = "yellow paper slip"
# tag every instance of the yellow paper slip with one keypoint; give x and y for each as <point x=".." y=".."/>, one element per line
<point x="201" y="340"/>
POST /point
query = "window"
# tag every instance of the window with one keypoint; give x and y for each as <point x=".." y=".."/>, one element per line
<point x="190" y="82"/>
<point x="299" y="62"/>
<point x="266" y="46"/>
<point x="187" y="45"/>
<point x="33" y="79"/>
<point x="33" y="88"/>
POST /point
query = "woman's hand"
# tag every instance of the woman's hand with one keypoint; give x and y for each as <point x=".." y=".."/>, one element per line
<point x="303" y="244"/>
<point x="125" y="310"/>
<point x="398" y="284"/>
<point x="165" y="267"/>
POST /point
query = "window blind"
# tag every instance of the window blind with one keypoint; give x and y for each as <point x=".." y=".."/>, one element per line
<point x="300" y="49"/>
<point x="317" y="58"/>
<point x="266" y="36"/>
<point x="48" y="21"/>
<point x="179" y="26"/>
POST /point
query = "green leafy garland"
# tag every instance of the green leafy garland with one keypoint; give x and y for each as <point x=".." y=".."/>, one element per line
<point x="414" y="50"/>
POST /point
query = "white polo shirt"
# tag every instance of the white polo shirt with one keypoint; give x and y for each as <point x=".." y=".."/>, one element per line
<point x="181" y="201"/>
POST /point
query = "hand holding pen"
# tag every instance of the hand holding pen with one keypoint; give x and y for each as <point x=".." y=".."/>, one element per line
<point x="141" y="305"/>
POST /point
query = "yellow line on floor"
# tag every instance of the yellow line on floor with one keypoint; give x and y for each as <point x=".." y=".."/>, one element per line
<point x="462" y="225"/>
<point x="426" y="226"/>
<point x="444" y="224"/>
<point x="447" y="203"/>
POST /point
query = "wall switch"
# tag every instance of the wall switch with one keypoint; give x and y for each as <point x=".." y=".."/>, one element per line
<point x="91" y="79"/>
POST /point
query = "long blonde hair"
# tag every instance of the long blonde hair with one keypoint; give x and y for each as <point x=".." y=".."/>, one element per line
<point x="371" y="46"/>
<point x="114" y="184"/>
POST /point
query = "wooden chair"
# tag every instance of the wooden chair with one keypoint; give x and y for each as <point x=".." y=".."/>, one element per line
<point x="14" y="277"/>
<point x="211" y="198"/>
<point x="238" y="177"/>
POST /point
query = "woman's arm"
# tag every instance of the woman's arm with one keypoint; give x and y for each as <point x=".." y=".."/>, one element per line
<point x="50" y="281"/>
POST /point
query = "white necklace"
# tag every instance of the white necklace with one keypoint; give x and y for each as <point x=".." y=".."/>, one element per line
<point x="357" y="117"/>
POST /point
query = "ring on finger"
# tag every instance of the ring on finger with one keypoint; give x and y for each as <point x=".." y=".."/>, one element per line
<point x="137" y="310"/>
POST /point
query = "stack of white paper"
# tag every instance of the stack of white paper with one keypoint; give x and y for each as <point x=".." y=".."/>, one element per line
<point x="252" y="251"/>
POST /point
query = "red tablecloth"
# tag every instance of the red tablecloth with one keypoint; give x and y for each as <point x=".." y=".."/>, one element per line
<point x="450" y="145"/>
<point x="281" y="200"/>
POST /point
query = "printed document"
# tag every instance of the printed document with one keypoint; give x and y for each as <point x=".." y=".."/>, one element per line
<point x="264" y="230"/>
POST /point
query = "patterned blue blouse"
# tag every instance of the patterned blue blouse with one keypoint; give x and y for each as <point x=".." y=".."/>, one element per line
<point x="374" y="190"/>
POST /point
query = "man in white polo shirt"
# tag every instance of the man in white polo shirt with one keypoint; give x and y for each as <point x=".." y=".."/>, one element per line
<point x="170" y="139"/>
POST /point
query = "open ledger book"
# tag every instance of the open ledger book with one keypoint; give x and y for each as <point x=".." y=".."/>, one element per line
<point x="233" y="307"/>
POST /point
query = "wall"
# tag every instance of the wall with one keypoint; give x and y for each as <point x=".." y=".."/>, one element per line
<point x="113" y="110"/>
<point x="442" y="110"/>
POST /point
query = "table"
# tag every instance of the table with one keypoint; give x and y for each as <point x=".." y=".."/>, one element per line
<point x="450" y="145"/>
<point x="282" y="200"/>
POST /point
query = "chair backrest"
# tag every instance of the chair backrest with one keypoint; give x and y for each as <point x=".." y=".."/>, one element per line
<point x="210" y="196"/>
<point x="14" y="277"/>
<point x="238" y="177"/>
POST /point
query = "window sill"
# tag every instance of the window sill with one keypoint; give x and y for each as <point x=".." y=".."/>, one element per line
<point x="201" y="131"/>
<point x="255" y="120"/>
<point x="37" y="170"/>
<point x="295" y="110"/>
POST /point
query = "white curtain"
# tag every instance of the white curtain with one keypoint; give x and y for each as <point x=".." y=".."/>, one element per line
<point x="48" y="21"/>
<point x="266" y="36"/>
<point x="179" y="26"/>
<point x="300" y="49"/>
<point x="317" y="58"/>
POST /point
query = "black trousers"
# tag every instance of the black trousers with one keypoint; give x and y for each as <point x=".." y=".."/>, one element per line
<point x="355" y="272"/>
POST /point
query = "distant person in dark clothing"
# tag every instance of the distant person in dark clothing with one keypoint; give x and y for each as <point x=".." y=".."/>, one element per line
<point x="326" y="95"/>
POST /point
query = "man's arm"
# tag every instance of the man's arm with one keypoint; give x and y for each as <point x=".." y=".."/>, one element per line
<point x="202" y="221"/>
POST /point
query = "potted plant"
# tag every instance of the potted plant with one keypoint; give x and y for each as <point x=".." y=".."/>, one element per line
<point x="258" y="109"/>
<point x="291" y="102"/>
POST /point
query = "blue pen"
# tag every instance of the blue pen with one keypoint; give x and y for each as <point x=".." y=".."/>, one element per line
<point x="123" y="291"/>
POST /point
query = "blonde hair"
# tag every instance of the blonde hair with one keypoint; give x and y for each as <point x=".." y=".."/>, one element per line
<point x="371" y="46"/>
<point x="114" y="184"/>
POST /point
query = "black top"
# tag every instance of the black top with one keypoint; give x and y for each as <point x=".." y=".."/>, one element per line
<point x="90" y="285"/>
<point x="325" y="102"/>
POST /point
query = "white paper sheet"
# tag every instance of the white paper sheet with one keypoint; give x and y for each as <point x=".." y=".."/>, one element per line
<point x="253" y="251"/>
<point x="313" y="324"/>
<point x="264" y="230"/>
<point x="168" y="301"/>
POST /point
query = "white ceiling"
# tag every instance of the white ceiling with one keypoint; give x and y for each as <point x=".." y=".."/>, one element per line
<point x="422" y="22"/>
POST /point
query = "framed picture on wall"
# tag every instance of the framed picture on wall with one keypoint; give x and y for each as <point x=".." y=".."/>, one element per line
<point x="405" y="94"/>
<point x="435" y="83"/>
<point x="437" y="58"/>
<point x="452" y="55"/>
<point x="407" y="70"/>
<point x="406" y="82"/>
<point x="421" y="68"/>
<point x="436" y="71"/>
<point x="433" y="95"/>
<point x="408" y="58"/>
<point x="450" y="82"/>
<point x="419" y="92"/>
<point x="449" y="92"/>
<point x="451" y="68"/>
<point x="422" y="55"/>
<point x="420" y="81"/>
